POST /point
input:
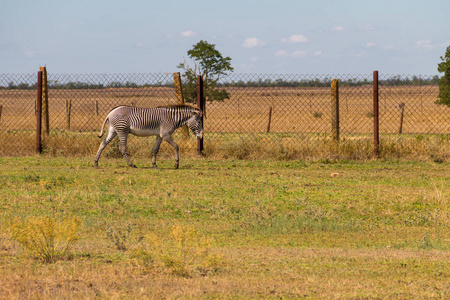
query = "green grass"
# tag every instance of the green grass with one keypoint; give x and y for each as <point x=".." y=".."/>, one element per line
<point x="231" y="228"/>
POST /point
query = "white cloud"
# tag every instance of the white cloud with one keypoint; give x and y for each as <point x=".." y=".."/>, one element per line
<point x="295" y="54"/>
<point x="427" y="44"/>
<point x="338" y="29"/>
<point x="253" y="42"/>
<point x="424" y="44"/>
<point x="254" y="59"/>
<point x="370" y="44"/>
<point x="317" y="53"/>
<point x="188" y="33"/>
<point x="296" y="38"/>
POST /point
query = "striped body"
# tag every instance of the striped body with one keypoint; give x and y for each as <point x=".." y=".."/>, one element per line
<point x="159" y="121"/>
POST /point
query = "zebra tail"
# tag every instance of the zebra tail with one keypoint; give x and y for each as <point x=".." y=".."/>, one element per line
<point x="103" y="127"/>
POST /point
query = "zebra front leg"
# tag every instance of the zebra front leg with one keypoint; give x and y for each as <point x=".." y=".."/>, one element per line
<point x="175" y="146"/>
<point x="156" y="150"/>
<point x="123" y="149"/>
<point x="109" y="137"/>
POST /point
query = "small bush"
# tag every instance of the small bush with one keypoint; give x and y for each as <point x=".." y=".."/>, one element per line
<point x="46" y="238"/>
<point x="184" y="253"/>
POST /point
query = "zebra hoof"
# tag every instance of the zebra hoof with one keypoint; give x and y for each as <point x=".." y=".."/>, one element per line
<point x="176" y="166"/>
<point x="133" y="166"/>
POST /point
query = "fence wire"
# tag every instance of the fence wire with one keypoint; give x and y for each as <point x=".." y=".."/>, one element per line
<point x="262" y="108"/>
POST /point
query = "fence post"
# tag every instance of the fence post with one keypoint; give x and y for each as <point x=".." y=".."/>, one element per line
<point x="68" y="112"/>
<point x="96" y="108"/>
<point x="45" y="114"/>
<point x="335" y="109"/>
<point x="401" y="106"/>
<point x="39" y="114"/>
<point x="201" y="105"/>
<point x="1" y="108"/>
<point x="270" y="119"/>
<point x="376" y="125"/>
<point x="180" y="98"/>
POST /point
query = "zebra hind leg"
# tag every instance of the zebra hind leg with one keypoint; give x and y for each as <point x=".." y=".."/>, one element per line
<point x="155" y="151"/>
<point x="111" y="134"/>
<point x="123" y="149"/>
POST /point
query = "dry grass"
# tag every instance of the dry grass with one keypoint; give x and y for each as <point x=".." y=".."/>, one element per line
<point x="253" y="273"/>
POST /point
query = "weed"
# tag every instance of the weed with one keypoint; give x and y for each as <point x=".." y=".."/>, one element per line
<point x="119" y="236"/>
<point x="47" y="238"/>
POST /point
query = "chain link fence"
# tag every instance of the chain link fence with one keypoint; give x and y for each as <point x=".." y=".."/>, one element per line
<point x="264" y="113"/>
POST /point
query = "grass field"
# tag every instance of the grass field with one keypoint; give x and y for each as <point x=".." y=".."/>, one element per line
<point x="225" y="229"/>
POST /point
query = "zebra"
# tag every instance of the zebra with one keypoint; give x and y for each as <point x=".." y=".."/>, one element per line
<point x="160" y="121"/>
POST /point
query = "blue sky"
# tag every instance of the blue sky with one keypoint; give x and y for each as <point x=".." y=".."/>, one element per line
<point x="264" y="37"/>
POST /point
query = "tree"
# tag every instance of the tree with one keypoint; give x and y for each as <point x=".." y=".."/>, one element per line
<point x="444" y="82"/>
<point x="208" y="62"/>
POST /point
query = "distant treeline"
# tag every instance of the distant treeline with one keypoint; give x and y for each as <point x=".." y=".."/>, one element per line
<point x="396" y="80"/>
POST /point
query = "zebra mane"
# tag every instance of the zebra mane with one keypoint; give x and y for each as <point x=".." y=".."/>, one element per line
<point x="183" y="106"/>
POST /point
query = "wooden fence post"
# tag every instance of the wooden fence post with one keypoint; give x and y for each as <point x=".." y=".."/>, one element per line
<point x="96" y="108"/>
<point x="401" y="106"/>
<point x="376" y="124"/>
<point x="180" y="98"/>
<point x="335" y="109"/>
<point x="68" y="112"/>
<point x="201" y="105"/>
<point x="45" y="114"/>
<point x="39" y="114"/>
<point x="1" y="108"/>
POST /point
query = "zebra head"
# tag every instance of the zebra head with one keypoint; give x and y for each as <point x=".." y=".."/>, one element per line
<point x="195" y="124"/>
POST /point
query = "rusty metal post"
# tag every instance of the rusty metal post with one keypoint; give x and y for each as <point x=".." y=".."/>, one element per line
<point x="39" y="114"/>
<point x="376" y="124"/>
<point x="270" y="119"/>
<point x="45" y="107"/>
<point x="201" y="105"/>
<point x="335" y="109"/>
